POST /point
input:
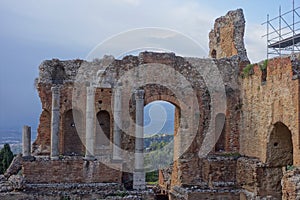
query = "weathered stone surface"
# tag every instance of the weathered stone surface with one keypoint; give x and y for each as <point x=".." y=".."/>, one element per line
<point x="227" y="37"/>
<point x="291" y="185"/>
<point x="17" y="182"/>
<point x="267" y="105"/>
<point x="77" y="191"/>
<point x="5" y="186"/>
<point x="70" y="170"/>
<point x="15" y="166"/>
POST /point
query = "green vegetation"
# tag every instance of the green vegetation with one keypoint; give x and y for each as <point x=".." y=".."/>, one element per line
<point x="264" y="65"/>
<point x="290" y="167"/>
<point x="6" y="157"/>
<point x="152" y="177"/>
<point x="248" y="70"/>
<point x="159" y="155"/>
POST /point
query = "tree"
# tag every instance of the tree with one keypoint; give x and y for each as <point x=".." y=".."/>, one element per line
<point x="6" y="157"/>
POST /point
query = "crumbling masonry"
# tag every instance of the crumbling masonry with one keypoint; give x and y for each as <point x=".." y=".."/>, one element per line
<point x="257" y="152"/>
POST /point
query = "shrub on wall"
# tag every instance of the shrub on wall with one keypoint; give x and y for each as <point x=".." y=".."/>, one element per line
<point x="248" y="70"/>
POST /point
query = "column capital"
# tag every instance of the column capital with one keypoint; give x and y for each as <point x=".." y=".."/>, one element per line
<point x="55" y="89"/>
<point x="139" y="94"/>
<point x="90" y="90"/>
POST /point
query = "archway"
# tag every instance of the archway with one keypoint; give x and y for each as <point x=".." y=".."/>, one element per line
<point x="103" y="130"/>
<point x="73" y="144"/>
<point x="160" y="124"/>
<point x="279" y="155"/>
<point x="280" y="146"/>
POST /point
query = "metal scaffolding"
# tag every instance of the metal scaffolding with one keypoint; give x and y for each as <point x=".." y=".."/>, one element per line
<point x="283" y="33"/>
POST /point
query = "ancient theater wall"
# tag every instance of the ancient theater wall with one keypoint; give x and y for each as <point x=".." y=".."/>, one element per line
<point x="268" y="101"/>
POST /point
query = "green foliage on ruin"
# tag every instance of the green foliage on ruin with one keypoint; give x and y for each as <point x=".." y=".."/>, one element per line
<point x="6" y="157"/>
<point x="152" y="177"/>
<point x="290" y="167"/>
<point x="264" y="65"/>
<point x="248" y="70"/>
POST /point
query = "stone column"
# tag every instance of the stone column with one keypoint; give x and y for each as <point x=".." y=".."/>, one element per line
<point x="117" y="123"/>
<point x="55" y="122"/>
<point x="90" y="123"/>
<point x="139" y="173"/>
<point x="26" y="138"/>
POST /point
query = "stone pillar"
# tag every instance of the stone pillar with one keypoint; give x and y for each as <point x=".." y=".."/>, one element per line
<point x="55" y="121"/>
<point x="26" y="139"/>
<point x="90" y="123"/>
<point x="139" y="173"/>
<point x="117" y="123"/>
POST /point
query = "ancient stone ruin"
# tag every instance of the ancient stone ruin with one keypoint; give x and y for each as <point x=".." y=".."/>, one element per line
<point x="90" y="136"/>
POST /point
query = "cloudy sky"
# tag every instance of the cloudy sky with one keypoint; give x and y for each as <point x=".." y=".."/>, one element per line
<point x="35" y="30"/>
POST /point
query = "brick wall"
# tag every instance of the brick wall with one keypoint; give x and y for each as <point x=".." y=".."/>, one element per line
<point x="70" y="170"/>
<point x="265" y="104"/>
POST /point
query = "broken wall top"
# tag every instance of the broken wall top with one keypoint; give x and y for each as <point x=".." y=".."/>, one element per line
<point x="227" y="37"/>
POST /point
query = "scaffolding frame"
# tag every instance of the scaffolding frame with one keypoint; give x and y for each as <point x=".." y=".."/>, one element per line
<point x="283" y="33"/>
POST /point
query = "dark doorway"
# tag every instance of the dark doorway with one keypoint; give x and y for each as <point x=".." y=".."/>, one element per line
<point x="73" y="144"/>
<point x="103" y="129"/>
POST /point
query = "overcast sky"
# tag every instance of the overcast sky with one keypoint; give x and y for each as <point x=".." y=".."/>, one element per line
<point x="35" y="30"/>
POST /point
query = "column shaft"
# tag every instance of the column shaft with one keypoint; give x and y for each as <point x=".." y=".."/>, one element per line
<point x="90" y="123"/>
<point x="55" y="121"/>
<point x="26" y="136"/>
<point x="117" y="123"/>
<point x="139" y="173"/>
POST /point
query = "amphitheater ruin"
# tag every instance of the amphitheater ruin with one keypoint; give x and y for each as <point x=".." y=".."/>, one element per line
<point x="85" y="127"/>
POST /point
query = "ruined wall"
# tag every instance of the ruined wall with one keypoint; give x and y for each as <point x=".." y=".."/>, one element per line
<point x="185" y="170"/>
<point x="266" y="103"/>
<point x="291" y="185"/>
<point x="70" y="170"/>
<point x="227" y="37"/>
<point x="257" y="179"/>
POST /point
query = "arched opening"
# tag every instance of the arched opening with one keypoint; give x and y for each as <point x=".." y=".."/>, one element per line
<point x="279" y="155"/>
<point x="220" y="136"/>
<point x="161" y="122"/>
<point x="73" y="125"/>
<point x="102" y="131"/>
<point x="213" y="53"/>
<point x="280" y="146"/>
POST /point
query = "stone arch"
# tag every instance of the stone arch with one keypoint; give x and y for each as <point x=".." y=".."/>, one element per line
<point x="103" y="129"/>
<point x="280" y="146"/>
<point x="73" y="143"/>
<point x="42" y="144"/>
<point x="168" y="154"/>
